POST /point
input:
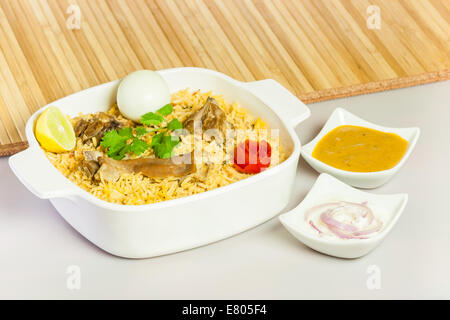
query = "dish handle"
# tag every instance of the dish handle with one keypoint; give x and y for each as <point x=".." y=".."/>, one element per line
<point x="36" y="172"/>
<point x="291" y="109"/>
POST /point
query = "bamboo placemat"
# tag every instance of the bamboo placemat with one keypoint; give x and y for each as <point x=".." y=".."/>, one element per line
<point x="319" y="49"/>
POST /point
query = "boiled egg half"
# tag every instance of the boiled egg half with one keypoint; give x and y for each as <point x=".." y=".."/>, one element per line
<point x="141" y="92"/>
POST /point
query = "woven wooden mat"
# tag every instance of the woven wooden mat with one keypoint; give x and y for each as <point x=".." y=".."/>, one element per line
<point x="318" y="49"/>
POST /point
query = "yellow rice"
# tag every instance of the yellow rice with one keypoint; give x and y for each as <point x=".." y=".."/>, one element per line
<point x="136" y="189"/>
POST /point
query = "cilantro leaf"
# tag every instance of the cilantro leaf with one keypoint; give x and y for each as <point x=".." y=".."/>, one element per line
<point x="151" y="119"/>
<point x="156" y="139"/>
<point x="138" y="146"/>
<point x="116" y="156"/>
<point x="140" y="131"/>
<point x="164" y="146"/>
<point x="166" y="110"/>
<point x="126" y="132"/>
<point x="161" y="151"/>
<point x="171" y="140"/>
<point x="174" y="125"/>
<point x="113" y="142"/>
<point x="121" y="154"/>
<point x="110" y="138"/>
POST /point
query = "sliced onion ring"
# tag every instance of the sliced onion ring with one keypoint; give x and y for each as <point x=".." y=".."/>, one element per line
<point x="328" y="212"/>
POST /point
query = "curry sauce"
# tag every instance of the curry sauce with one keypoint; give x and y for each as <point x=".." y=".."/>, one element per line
<point x="360" y="149"/>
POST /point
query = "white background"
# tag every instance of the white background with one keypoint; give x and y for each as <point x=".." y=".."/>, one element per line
<point x="37" y="245"/>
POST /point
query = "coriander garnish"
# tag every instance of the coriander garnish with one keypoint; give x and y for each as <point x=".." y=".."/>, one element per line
<point x="117" y="143"/>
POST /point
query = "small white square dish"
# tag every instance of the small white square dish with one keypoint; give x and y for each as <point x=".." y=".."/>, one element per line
<point x="366" y="180"/>
<point x="329" y="189"/>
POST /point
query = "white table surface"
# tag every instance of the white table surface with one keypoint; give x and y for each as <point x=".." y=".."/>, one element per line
<point x="37" y="245"/>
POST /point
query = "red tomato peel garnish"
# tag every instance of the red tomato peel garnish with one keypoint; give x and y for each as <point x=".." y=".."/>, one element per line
<point x="252" y="156"/>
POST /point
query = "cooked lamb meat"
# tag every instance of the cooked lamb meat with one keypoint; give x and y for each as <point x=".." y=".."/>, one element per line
<point x="110" y="169"/>
<point x="153" y="167"/>
<point x="90" y="163"/>
<point x="210" y="116"/>
<point x="95" y="127"/>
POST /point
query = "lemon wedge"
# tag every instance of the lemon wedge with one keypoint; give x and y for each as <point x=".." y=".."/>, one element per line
<point x="54" y="131"/>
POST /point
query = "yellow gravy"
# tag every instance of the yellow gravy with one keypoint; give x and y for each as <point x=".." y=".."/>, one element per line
<point x="360" y="149"/>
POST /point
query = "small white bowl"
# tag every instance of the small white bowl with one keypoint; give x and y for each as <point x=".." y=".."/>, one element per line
<point x="366" y="180"/>
<point x="329" y="189"/>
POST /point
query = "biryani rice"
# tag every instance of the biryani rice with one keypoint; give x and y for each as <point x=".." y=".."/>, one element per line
<point x="136" y="189"/>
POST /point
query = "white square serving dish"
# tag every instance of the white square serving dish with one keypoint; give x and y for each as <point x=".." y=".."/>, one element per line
<point x="366" y="180"/>
<point x="329" y="189"/>
<point x="170" y="226"/>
